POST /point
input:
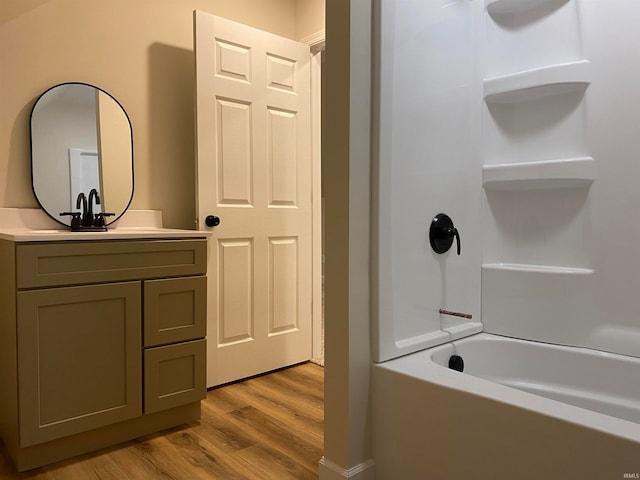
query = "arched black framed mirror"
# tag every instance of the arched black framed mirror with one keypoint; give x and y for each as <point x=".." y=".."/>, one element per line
<point x="81" y="140"/>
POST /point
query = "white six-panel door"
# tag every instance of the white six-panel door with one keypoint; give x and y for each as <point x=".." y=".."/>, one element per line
<point x="254" y="173"/>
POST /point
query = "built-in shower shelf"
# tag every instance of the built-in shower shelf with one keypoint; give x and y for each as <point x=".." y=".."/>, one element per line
<point x="505" y="7"/>
<point x="539" y="269"/>
<point x="562" y="173"/>
<point x="538" y="83"/>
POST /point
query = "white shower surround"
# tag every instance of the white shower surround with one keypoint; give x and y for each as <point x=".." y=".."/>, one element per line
<point x="519" y="119"/>
<point x="429" y="131"/>
<point x="533" y="157"/>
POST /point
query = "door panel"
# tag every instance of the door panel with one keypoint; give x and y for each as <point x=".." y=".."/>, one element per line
<point x="282" y="158"/>
<point x="235" y="299"/>
<point x="283" y="285"/>
<point x="235" y="185"/>
<point x="255" y="173"/>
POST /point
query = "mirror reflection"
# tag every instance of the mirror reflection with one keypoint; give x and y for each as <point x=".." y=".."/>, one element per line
<point x="81" y="149"/>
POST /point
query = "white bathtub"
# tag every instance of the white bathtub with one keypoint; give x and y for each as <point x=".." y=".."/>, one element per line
<point x="521" y="409"/>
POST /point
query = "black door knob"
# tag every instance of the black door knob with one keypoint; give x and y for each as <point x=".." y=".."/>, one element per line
<point x="212" y="221"/>
<point x="441" y="234"/>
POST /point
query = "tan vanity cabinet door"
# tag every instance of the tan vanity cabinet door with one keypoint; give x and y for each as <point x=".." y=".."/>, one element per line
<point x="75" y="263"/>
<point x="174" y="375"/>
<point x="175" y="310"/>
<point x="79" y="351"/>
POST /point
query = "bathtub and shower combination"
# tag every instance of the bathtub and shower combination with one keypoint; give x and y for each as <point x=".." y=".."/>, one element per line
<point x="516" y="354"/>
<point x="520" y="409"/>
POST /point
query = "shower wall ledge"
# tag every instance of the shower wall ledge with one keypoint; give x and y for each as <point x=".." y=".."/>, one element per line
<point x="541" y="269"/>
<point x="511" y="7"/>
<point x="561" y="173"/>
<point x="538" y="82"/>
<point x="433" y="338"/>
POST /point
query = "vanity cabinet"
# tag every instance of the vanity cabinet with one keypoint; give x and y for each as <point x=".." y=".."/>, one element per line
<point x="102" y="341"/>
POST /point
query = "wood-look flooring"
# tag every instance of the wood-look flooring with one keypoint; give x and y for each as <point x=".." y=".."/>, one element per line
<point x="266" y="427"/>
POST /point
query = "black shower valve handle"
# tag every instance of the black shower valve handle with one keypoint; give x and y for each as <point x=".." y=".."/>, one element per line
<point x="441" y="234"/>
<point x="454" y="233"/>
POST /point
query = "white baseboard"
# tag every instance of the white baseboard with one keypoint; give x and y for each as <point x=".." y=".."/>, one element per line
<point x="332" y="471"/>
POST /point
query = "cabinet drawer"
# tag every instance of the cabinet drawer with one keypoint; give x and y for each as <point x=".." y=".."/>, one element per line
<point x="174" y="375"/>
<point x="72" y="263"/>
<point x="175" y="310"/>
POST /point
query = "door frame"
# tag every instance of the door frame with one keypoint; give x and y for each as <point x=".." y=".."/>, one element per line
<point x="316" y="43"/>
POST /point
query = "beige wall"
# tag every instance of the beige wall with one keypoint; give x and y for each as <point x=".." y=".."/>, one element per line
<point x="139" y="51"/>
<point x="309" y="18"/>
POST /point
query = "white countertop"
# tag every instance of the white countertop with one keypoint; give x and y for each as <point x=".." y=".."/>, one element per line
<point x="45" y="235"/>
<point x="33" y="225"/>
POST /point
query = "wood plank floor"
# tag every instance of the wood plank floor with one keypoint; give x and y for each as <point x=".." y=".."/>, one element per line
<point x="266" y="427"/>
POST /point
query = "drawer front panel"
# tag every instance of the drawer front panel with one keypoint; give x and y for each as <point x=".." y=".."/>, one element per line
<point x="175" y="310"/>
<point x="174" y="375"/>
<point x="73" y="263"/>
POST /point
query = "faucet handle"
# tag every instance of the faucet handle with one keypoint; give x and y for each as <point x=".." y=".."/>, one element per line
<point x="99" y="218"/>
<point x="75" y="219"/>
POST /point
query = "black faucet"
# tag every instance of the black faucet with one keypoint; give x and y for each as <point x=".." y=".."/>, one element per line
<point x="93" y="195"/>
<point x="86" y="219"/>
